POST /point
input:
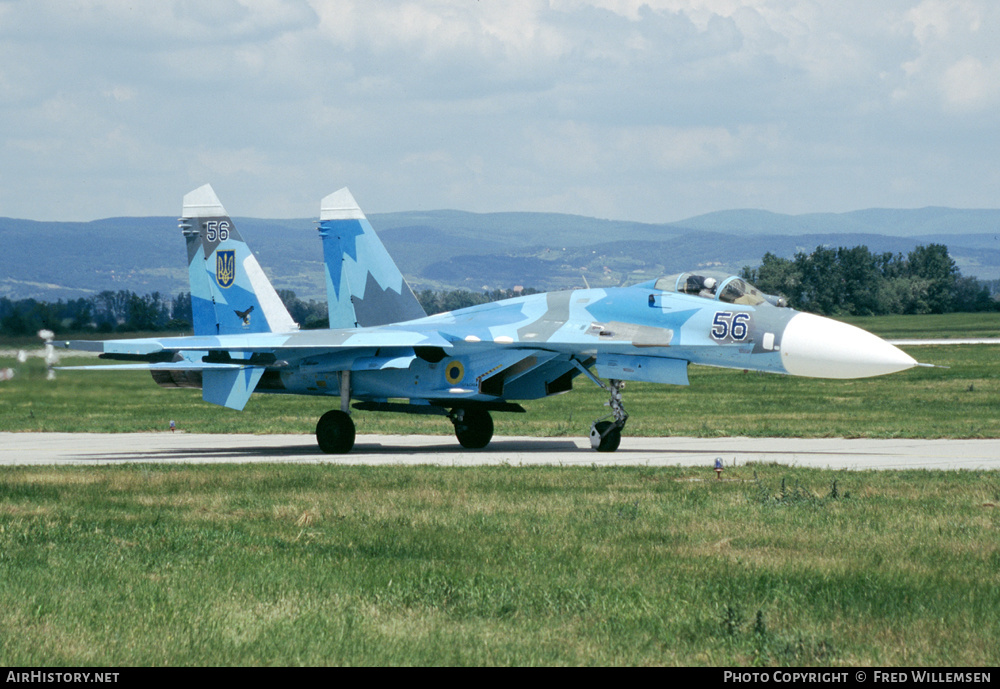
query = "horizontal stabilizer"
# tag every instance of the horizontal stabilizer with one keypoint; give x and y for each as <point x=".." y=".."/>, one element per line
<point x="273" y="343"/>
<point x="312" y="340"/>
<point x="141" y="347"/>
<point x="82" y="345"/>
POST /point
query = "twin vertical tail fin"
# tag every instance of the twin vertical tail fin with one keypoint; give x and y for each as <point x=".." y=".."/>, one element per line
<point x="363" y="285"/>
<point x="230" y="294"/>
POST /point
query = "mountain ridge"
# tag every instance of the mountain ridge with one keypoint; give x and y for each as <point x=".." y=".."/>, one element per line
<point x="448" y="249"/>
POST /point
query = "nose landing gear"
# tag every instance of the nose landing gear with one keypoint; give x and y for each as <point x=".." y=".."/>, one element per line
<point x="606" y="436"/>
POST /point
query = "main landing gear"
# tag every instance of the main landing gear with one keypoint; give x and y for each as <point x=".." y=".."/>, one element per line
<point x="335" y="429"/>
<point x="335" y="432"/>
<point x="473" y="427"/>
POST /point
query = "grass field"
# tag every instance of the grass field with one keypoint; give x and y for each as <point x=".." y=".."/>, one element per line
<point x="336" y="565"/>
<point x="961" y="401"/>
<point x="946" y="325"/>
<point x="315" y="565"/>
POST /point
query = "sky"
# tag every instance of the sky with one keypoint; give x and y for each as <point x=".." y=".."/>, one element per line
<point x="649" y="111"/>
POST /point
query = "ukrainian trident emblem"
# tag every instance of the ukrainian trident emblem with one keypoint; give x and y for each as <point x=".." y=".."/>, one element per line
<point x="225" y="268"/>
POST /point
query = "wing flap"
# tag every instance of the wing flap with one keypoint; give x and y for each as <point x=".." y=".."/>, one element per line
<point x="158" y="366"/>
<point x="310" y="340"/>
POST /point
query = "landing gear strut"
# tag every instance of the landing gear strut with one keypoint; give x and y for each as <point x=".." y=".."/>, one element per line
<point x="473" y="427"/>
<point x="335" y="429"/>
<point x="606" y="436"/>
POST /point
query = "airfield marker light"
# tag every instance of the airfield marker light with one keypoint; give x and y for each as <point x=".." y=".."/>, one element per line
<point x="51" y="358"/>
<point x="718" y="468"/>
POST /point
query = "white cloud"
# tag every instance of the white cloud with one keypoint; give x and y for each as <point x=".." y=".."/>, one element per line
<point x="970" y="85"/>
<point x="805" y="104"/>
<point x="944" y="20"/>
<point x="956" y="64"/>
<point x="120" y="93"/>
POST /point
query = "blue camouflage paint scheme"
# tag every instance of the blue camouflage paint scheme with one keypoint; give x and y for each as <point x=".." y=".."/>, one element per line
<point x="481" y="338"/>
<point x="228" y="288"/>
<point x="339" y="239"/>
<point x="363" y="285"/>
<point x="381" y="348"/>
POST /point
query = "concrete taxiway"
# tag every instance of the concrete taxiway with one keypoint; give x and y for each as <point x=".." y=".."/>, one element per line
<point x="65" y="449"/>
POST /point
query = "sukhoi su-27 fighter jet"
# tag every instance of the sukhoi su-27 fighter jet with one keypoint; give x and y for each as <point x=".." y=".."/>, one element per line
<point x="383" y="353"/>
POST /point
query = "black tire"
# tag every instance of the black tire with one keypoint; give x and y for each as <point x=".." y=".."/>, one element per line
<point x="335" y="432"/>
<point x="475" y="430"/>
<point x="611" y="441"/>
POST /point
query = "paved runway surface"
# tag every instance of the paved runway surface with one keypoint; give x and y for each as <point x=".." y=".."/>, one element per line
<point x="111" y="448"/>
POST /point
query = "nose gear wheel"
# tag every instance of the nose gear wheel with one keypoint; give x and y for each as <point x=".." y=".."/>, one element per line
<point x="606" y="436"/>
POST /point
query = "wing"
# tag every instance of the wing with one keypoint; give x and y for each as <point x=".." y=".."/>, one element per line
<point x="231" y="366"/>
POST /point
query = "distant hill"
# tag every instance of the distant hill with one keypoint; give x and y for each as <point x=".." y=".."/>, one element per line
<point x="886" y="221"/>
<point x="454" y="249"/>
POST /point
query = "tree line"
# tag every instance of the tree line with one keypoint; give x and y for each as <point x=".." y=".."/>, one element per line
<point x="842" y="281"/>
<point x="106" y="312"/>
<point x="855" y="281"/>
<point x="124" y="311"/>
<point x="439" y="302"/>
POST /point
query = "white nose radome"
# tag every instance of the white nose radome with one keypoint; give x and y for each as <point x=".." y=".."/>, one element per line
<point x="819" y="347"/>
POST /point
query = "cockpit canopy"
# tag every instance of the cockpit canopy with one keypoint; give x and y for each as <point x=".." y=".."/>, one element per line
<point x="713" y="284"/>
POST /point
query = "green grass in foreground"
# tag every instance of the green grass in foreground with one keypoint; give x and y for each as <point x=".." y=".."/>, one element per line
<point x="313" y="565"/>
<point x="961" y="402"/>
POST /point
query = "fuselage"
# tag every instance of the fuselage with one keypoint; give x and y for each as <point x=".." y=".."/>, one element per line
<point x="533" y="346"/>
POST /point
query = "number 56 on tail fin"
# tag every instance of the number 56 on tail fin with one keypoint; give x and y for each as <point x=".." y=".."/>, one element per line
<point x="230" y="294"/>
